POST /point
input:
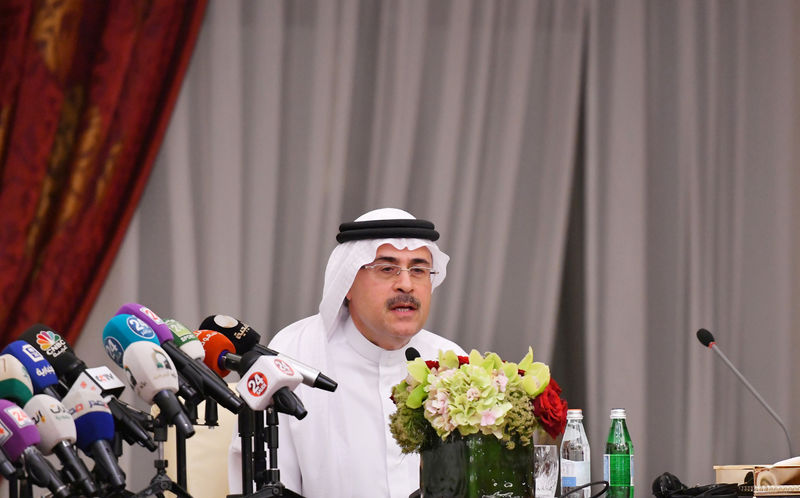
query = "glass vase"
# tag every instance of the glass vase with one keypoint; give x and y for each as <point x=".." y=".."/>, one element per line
<point x="477" y="466"/>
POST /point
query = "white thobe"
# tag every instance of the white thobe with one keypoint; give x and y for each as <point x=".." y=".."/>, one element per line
<point x="344" y="448"/>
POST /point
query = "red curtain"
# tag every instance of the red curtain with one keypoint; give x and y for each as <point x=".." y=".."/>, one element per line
<point x="86" y="91"/>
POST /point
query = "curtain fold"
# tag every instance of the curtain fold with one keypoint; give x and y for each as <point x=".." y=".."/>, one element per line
<point x="86" y="99"/>
<point x="615" y="220"/>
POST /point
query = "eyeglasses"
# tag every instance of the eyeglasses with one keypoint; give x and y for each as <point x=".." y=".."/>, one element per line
<point x="388" y="271"/>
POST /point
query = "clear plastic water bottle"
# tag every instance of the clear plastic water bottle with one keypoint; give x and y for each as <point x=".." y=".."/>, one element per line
<point x="618" y="458"/>
<point x="576" y="459"/>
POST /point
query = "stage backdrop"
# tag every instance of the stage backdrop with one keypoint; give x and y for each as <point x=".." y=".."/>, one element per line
<point x="608" y="177"/>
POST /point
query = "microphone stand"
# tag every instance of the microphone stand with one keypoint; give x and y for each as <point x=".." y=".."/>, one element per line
<point x="190" y="404"/>
<point x="180" y="456"/>
<point x="753" y="391"/>
<point x="26" y="488"/>
<point x="259" y="452"/>
<point x="100" y="476"/>
<point x="21" y="484"/>
<point x="13" y="492"/>
<point x="246" y="435"/>
<point x="180" y="439"/>
<point x="161" y="481"/>
<point x="272" y="486"/>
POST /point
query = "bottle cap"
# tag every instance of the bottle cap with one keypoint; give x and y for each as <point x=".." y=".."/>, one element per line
<point x="574" y="414"/>
<point x="618" y="413"/>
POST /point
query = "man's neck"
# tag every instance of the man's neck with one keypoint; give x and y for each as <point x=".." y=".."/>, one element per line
<point x="387" y="343"/>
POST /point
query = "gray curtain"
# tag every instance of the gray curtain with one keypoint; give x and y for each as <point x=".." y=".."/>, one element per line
<point x="608" y="177"/>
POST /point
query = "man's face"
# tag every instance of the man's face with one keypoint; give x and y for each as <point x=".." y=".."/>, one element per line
<point x="389" y="310"/>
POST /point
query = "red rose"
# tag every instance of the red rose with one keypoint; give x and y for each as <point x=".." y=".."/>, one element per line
<point x="550" y="410"/>
<point x="432" y="364"/>
<point x="463" y="360"/>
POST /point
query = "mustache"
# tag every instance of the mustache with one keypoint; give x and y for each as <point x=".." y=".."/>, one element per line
<point x="403" y="299"/>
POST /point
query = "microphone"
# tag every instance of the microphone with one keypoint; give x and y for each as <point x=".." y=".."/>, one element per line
<point x="122" y="331"/>
<point x="246" y="339"/>
<point x="94" y="427"/>
<point x="186" y="340"/>
<point x="55" y="350"/>
<point x="195" y="371"/>
<point x="270" y="381"/>
<point x="155" y="380"/>
<point x="68" y="367"/>
<point x="707" y="339"/>
<point x="74" y="373"/>
<point x="265" y="379"/>
<point x="216" y="348"/>
<point x="7" y="468"/>
<point x="58" y="434"/>
<point x="18" y="435"/>
<point x="412" y="354"/>
<point x="15" y="383"/>
<point x="43" y="376"/>
<point x="220" y="357"/>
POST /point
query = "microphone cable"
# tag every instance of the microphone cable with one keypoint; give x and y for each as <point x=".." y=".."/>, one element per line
<point x="587" y="485"/>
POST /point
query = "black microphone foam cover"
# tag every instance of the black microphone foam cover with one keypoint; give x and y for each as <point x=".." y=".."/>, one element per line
<point x="705" y="337"/>
<point x="243" y="337"/>
<point x="55" y="350"/>
<point x="412" y="354"/>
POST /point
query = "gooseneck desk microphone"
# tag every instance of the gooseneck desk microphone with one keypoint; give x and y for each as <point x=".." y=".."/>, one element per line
<point x="707" y="339"/>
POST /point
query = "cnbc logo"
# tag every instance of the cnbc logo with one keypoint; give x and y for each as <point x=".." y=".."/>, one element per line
<point x="51" y="343"/>
<point x="47" y="338"/>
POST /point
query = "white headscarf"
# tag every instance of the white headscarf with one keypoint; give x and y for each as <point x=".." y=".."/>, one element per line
<point x="348" y="257"/>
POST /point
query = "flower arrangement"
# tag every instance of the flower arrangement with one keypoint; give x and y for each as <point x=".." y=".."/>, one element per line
<point x="464" y="395"/>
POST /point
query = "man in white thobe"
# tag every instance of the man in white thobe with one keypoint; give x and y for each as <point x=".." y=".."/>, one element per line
<point x="375" y="301"/>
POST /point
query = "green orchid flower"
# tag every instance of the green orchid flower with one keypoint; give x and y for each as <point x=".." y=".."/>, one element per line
<point x="527" y="361"/>
<point x="419" y="370"/>
<point x="416" y="397"/>
<point x="536" y="378"/>
<point x="448" y="359"/>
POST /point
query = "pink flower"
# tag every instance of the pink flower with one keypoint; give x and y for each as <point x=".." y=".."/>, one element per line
<point x="500" y="380"/>
<point x="473" y="393"/>
<point x="438" y="404"/>
<point x="488" y="418"/>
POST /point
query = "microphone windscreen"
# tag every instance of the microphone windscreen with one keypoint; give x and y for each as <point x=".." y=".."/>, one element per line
<point x="149" y="369"/>
<point x="92" y="417"/>
<point x="705" y="337"/>
<point x="412" y="354"/>
<point x="53" y="421"/>
<point x="55" y="350"/>
<point x="41" y="372"/>
<point x="149" y="317"/>
<point x="186" y="340"/>
<point x="265" y="377"/>
<point x="215" y="344"/>
<point x="92" y="427"/>
<point x="240" y="334"/>
<point x="17" y="430"/>
<point x="15" y="383"/>
<point x="122" y="331"/>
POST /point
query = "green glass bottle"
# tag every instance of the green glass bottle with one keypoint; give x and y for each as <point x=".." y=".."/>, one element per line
<point x="618" y="458"/>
